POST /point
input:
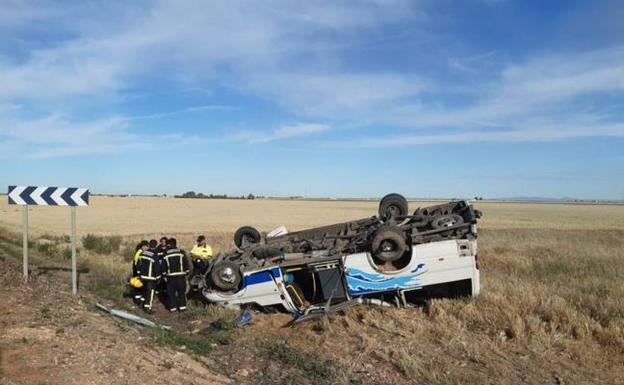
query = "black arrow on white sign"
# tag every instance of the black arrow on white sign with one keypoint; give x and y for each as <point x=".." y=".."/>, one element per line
<point x="48" y="196"/>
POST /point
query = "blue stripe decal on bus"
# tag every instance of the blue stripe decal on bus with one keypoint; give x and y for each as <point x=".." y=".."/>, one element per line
<point x="259" y="277"/>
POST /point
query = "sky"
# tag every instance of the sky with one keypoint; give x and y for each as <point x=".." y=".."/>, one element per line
<point x="444" y="99"/>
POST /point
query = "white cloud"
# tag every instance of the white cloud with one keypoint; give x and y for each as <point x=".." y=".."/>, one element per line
<point x="247" y="46"/>
<point x="87" y="149"/>
<point x="558" y="77"/>
<point x="57" y="136"/>
<point x="335" y="95"/>
<point x="289" y="53"/>
<point x="17" y="14"/>
<point x="280" y="133"/>
<point x="189" y="43"/>
<point x="158" y="115"/>
<point x="535" y="101"/>
<point x="56" y="129"/>
<point x="297" y="130"/>
<point x="473" y="63"/>
<point x="535" y="133"/>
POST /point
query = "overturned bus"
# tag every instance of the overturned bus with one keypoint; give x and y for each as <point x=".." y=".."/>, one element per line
<point x="394" y="257"/>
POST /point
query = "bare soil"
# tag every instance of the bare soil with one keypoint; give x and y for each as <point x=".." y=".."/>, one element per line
<point x="50" y="337"/>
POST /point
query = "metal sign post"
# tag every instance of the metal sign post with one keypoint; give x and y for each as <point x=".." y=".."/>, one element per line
<point x="73" y="251"/>
<point x="25" y="244"/>
<point x="50" y="196"/>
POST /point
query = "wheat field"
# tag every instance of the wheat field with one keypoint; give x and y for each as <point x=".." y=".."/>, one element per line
<point x="147" y="215"/>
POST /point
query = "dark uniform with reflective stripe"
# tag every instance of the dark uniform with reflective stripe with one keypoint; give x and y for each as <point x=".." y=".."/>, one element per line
<point x="175" y="268"/>
<point x="160" y="254"/>
<point x="149" y="271"/>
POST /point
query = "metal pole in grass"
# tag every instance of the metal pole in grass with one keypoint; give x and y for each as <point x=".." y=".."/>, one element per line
<point x="73" y="251"/>
<point x="25" y="244"/>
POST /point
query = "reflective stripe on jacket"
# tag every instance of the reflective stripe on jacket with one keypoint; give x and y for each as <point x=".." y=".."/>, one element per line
<point x="148" y="268"/>
<point x="175" y="263"/>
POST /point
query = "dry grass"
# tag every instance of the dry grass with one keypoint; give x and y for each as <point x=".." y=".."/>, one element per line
<point x="551" y="309"/>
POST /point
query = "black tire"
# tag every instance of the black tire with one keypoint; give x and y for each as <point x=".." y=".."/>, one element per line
<point x="444" y="221"/>
<point x="389" y="244"/>
<point x="245" y="236"/>
<point x="393" y="208"/>
<point x="225" y="275"/>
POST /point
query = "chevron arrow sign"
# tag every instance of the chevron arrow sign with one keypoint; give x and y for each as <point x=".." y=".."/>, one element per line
<point x="48" y="196"/>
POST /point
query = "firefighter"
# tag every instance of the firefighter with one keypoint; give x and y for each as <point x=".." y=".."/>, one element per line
<point x="149" y="271"/>
<point x="162" y="246"/>
<point x="161" y="249"/>
<point x="142" y="246"/>
<point x="176" y="268"/>
<point x="153" y="245"/>
<point x="201" y="254"/>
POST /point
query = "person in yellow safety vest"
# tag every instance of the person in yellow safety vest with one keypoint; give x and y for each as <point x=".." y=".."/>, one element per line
<point x="142" y="246"/>
<point x="201" y="254"/>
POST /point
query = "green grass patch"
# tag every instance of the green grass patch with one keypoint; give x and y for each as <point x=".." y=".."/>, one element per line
<point x="178" y="340"/>
<point x="55" y="251"/>
<point x="12" y="250"/>
<point x="56" y="238"/>
<point x="107" y="244"/>
<point x="45" y="312"/>
<point x="311" y="365"/>
<point x="127" y="252"/>
<point x="11" y="237"/>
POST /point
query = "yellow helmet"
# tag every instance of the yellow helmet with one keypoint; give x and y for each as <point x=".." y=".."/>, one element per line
<point x="136" y="282"/>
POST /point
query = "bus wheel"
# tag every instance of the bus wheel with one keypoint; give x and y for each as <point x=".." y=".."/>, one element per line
<point x="389" y="244"/>
<point x="246" y="236"/>
<point x="225" y="275"/>
<point x="393" y="209"/>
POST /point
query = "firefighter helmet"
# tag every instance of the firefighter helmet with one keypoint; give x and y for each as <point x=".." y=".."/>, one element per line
<point x="136" y="282"/>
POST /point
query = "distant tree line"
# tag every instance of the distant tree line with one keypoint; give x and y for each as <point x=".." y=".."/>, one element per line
<point x="194" y="195"/>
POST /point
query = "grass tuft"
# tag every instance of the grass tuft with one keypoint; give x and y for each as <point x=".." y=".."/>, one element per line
<point x="178" y="340"/>
<point x="311" y="365"/>
<point x="107" y="244"/>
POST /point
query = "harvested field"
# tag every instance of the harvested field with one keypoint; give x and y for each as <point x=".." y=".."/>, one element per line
<point x="139" y="215"/>
<point x="551" y="309"/>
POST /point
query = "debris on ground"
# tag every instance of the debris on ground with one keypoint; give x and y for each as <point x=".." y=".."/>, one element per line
<point x="131" y="317"/>
<point x="243" y="319"/>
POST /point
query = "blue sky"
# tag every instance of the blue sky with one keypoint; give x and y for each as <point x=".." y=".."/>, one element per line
<point x="494" y="98"/>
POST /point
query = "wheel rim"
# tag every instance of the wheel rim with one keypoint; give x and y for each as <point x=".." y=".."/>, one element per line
<point x="393" y="212"/>
<point x="227" y="275"/>
<point x="247" y="239"/>
<point x="388" y="246"/>
<point x="388" y="249"/>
